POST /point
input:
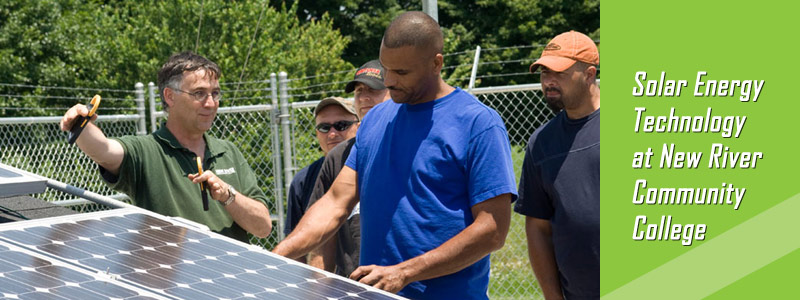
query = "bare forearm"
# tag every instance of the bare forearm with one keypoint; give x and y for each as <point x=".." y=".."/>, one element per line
<point x="542" y="257"/>
<point x="105" y="152"/>
<point x="461" y="251"/>
<point x="317" y="225"/>
<point x="324" y="257"/>
<point x="251" y="214"/>
<point x="323" y="218"/>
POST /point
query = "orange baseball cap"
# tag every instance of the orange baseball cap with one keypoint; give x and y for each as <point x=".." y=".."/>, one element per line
<point x="565" y="49"/>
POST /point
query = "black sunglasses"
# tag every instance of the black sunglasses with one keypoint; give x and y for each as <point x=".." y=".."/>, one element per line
<point x="339" y="126"/>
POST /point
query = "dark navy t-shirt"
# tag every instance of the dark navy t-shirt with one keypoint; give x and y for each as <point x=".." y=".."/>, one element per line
<point x="560" y="182"/>
<point x="421" y="168"/>
<point x="299" y="191"/>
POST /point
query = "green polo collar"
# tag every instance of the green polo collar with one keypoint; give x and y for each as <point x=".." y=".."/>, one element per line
<point x="214" y="147"/>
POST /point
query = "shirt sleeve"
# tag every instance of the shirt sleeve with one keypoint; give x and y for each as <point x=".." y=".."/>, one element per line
<point x="490" y="170"/>
<point x="248" y="182"/>
<point x="352" y="159"/>
<point x="533" y="200"/>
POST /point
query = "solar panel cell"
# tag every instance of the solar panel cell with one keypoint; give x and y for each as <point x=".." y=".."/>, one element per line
<point x="39" y="296"/>
<point x="64" y="251"/>
<point x="282" y="275"/>
<point x="91" y="247"/>
<point x="25" y="237"/>
<point x="262" y="258"/>
<point x="216" y="290"/>
<point x="370" y="295"/>
<point x="77" y="293"/>
<point x="184" y="232"/>
<point x="300" y="294"/>
<point x="273" y="295"/>
<point x="78" y="230"/>
<point x="179" y="252"/>
<point x="131" y="261"/>
<point x="322" y="289"/>
<point x="51" y="233"/>
<point x="149" y="280"/>
<point x="301" y="271"/>
<point x="142" y="241"/>
<point x="223" y="245"/>
<point x="220" y="267"/>
<point x="105" y="265"/>
<point x="34" y="279"/>
<point x="117" y="243"/>
<point x="64" y="274"/>
<point x="189" y="293"/>
<point x="196" y="271"/>
<point x="14" y="287"/>
<point x="240" y="285"/>
<point x="175" y="275"/>
<point x="100" y="225"/>
<point x="341" y="285"/>
<point x="109" y="289"/>
<point x="202" y="249"/>
<point x="262" y="280"/>
<point x="23" y="260"/>
<point x="156" y="257"/>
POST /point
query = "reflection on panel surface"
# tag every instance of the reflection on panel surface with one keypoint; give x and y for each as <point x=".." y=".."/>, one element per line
<point x="129" y="254"/>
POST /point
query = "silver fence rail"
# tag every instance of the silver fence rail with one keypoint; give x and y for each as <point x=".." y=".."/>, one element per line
<point x="272" y="123"/>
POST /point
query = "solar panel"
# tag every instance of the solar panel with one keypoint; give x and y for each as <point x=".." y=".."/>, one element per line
<point x="30" y="275"/>
<point x="15" y="182"/>
<point x="132" y="253"/>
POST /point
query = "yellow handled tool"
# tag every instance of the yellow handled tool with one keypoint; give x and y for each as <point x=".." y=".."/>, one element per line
<point x="82" y="121"/>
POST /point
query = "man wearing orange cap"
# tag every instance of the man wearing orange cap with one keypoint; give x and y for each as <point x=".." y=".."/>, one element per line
<point x="559" y="191"/>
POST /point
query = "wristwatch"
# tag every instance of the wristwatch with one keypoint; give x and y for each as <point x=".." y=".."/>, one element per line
<point x="231" y="196"/>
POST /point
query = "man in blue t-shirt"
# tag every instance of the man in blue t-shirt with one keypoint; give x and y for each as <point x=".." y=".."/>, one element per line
<point x="559" y="190"/>
<point x="434" y="174"/>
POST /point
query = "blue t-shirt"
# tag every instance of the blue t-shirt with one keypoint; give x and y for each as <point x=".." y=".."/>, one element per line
<point x="421" y="168"/>
<point x="561" y="182"/>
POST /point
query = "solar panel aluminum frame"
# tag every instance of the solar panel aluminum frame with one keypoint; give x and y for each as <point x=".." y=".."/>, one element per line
<point x="16" y="182"/>
<point x="180" y="222"/>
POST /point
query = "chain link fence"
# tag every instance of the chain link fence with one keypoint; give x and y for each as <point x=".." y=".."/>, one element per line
<point x="523" y="110"/>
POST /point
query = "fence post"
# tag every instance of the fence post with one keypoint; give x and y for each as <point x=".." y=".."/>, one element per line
<point x="140" y="108"/>
<point x="287" y="139"/>
<point x="474" y="69"/>
<point x="151" y="93"/>
<point x="276" y="154"/>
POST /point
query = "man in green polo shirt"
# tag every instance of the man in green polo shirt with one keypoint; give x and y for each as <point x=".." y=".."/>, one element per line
<point x="159" y="171"/>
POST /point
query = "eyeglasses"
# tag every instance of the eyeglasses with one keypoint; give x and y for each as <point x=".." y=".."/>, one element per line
<point x="339" y="126"/>
<point x="200" y="95"/>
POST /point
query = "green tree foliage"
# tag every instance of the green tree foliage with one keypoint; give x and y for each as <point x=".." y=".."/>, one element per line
<point x="490" y="24"/>
<point x="114" y="44"/>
